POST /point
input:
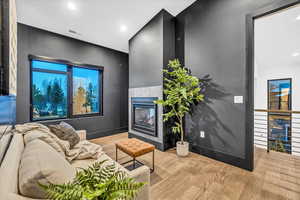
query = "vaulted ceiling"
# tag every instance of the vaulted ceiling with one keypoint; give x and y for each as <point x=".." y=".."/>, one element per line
<point x="109" y="23"/>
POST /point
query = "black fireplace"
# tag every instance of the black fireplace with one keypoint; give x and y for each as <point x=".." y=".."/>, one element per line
<point x="144" y="115"/>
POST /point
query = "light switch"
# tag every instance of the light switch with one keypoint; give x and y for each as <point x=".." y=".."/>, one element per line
<point x="238" y="99"/>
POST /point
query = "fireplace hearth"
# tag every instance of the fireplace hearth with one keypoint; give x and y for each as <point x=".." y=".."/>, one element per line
<point x="144" y="115"/>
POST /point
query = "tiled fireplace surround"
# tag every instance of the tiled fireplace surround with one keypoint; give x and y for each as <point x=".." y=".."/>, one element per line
<point x="154" y="91"/>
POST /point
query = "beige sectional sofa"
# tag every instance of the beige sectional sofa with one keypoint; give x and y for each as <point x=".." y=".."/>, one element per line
<point x="9" y="171"/>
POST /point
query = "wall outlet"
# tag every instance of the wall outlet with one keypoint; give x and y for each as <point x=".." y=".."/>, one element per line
<point x="202" y="134"/>
<point x="238" y="99"/>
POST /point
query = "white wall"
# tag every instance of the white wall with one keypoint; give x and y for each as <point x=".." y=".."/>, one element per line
<point x="276" y="43"/>
<point x="268" y="73"/>
<point x="260" y="102"/>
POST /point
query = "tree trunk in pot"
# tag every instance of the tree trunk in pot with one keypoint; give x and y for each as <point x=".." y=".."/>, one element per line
<point x="182" y="147"/>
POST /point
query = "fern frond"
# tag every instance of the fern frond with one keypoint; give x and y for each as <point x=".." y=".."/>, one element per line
<point x="99" y="181"/>
<point x="68" y="191"/>
<point x="125" y="189"/>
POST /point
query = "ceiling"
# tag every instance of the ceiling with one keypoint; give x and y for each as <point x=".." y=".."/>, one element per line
<point x="277" y="41"/>
<point x="109" y="23"/>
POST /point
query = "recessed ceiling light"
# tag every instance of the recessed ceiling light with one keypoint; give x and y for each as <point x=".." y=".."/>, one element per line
<point x="298" y="18"/>
<point x="74" y="32"/>
<point x="72" y="6"/>
<point x="123" y="28"/>
<point x="296" y="54"/>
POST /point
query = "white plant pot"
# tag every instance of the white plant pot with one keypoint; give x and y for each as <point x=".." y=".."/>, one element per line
<point x="182" y="148"/>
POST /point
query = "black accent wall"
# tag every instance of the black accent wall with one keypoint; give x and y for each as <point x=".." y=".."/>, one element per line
<point x="146" y="54"/>
<point x="211" y="39"/>
<point x="150" y="49"/>
<point x="115" y="87"/>
<point x="1" y="40"/>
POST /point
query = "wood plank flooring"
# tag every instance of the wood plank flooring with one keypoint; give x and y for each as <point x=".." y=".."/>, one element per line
<point x="276" y="175"/>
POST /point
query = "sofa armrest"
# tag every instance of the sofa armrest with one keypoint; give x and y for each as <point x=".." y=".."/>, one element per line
<point x="142" y="174"/>
<point x="82" y="134"/>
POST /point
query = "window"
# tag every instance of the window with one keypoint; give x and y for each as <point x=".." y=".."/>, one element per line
<point x="60" y="89"/>
<point x="49" y="95"/>
<point x="85" y="91"/>
<point x="279" y="121"/>
<point x="280" y="94"/>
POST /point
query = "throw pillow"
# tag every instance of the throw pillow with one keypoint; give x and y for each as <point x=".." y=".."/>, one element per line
<point x="40" y="163"/>
<point x="65" y="131"/>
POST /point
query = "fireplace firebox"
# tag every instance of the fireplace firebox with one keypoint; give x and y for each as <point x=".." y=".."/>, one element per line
<point x="144" y="115"/>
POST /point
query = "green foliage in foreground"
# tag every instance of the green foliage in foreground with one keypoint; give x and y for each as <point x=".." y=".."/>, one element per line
<point x="181" y="91"/>
<point x="97" y="182"/>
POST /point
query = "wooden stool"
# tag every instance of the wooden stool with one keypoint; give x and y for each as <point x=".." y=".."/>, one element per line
<point x="135" y="148"/>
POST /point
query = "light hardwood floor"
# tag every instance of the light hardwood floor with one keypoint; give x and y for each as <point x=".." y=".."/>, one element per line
<point x="276" y="175"/>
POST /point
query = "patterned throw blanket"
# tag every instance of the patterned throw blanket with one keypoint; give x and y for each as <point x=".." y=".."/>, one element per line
<point x="83" y="150"/>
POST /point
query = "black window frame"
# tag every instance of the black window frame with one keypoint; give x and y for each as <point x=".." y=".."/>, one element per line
<point x="69" y="74"/>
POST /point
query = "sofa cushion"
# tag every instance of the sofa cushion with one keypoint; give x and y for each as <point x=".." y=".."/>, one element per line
<point x="40" y="163"/>
<point x="65" y="131"/>
<point x="49" y="138"/>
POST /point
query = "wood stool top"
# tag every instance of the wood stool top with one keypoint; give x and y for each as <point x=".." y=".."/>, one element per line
<point x="135" y="147"/>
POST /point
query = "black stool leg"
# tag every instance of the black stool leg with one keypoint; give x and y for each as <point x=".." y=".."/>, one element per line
<point x="152" y="170"/>
<point x="116" y="154"/>
<point x="134" y="163"/>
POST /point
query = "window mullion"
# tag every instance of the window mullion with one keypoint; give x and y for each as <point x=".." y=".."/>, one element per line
<point x="70" y="91"/>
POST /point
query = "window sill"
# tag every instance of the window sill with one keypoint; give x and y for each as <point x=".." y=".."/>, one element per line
<point x="67" y="119"/>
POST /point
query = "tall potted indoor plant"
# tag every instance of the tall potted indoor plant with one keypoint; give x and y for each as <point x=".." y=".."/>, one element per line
<point x="181" y="91"/>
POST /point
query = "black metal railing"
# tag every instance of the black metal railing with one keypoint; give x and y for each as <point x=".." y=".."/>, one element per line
<point x="287" y="142"/>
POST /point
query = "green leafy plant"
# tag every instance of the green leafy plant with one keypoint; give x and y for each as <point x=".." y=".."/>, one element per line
<point x="277" y="145"/>
<point x="97" y="182"/>
<point x="181" y="91"/>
